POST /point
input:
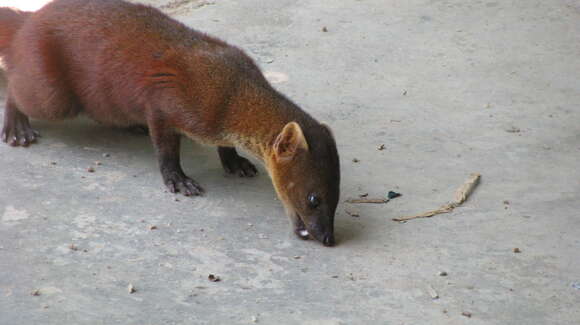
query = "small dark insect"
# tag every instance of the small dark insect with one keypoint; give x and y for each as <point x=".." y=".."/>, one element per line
<point x="392" y="195"/>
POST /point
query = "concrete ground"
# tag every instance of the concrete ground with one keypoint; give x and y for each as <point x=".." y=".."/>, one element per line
<point x="449" y="87"/>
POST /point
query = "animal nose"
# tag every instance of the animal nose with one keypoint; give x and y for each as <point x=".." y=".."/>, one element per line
<point x="328" y="240"/>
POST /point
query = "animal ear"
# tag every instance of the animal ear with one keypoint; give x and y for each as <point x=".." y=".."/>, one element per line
<point x="325" y="126"/>
<point x="289" y="141"/>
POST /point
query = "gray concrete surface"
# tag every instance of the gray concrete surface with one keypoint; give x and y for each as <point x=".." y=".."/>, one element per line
<point x="445" y="85"/>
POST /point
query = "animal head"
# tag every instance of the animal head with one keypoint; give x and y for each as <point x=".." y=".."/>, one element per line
<point x="305" y="170"/>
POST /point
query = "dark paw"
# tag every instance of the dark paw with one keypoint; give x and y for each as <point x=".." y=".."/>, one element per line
<point x="176" y="182"/>
<point x="240" y="166"/>
<point x="19" y="134"/>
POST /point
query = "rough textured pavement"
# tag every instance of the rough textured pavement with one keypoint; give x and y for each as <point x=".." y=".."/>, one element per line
<point x="450" y="87"/>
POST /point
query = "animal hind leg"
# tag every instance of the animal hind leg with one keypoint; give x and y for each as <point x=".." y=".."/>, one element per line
<point x="17" y="130"/>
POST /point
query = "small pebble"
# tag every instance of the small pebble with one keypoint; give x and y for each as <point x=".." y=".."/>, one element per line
<point x="381" y="147"/>
<point x="106" y="155"/>
<point x="90" y="170"/>
<point x="354" y="160"/>
<point x="466" y="314"/>
<point x="442" y="273"/>
<point x="152" y="227"/>
<point x="213" y="278"/>
<point x="324" y="29"/>
<point x="131" y="289"/>
<point x="517" y="250"/>
<point x="35" y="292"/>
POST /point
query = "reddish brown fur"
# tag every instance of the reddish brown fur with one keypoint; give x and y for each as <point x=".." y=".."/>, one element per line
<point x="10" y="20"/>
<point x="124" y="64"/>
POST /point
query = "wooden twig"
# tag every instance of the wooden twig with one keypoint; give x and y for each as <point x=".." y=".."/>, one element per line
<point x="460" y="196"/>
<point x="377" y="201"/>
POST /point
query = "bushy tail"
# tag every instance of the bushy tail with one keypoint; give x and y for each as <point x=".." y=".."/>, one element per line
<point x="10" y="22"/>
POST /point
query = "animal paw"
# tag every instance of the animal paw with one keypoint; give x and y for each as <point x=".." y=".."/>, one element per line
<point x="19" y="133"/>
<point x="240" y="166"/>
<point x="177" y="182"/>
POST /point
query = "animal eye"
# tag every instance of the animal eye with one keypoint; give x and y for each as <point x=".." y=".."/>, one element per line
<point x="313" y="200"/>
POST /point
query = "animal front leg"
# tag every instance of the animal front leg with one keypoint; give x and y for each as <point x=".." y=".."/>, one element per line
<point x="236" y="164"/>
<point x="17" y="130"/>
<point x="167" y="144"/>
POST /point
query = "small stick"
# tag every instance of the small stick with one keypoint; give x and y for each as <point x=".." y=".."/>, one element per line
<point x="367" y="201"/>
<point x="443" y="209"/>
<point x="460" y="196"/>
